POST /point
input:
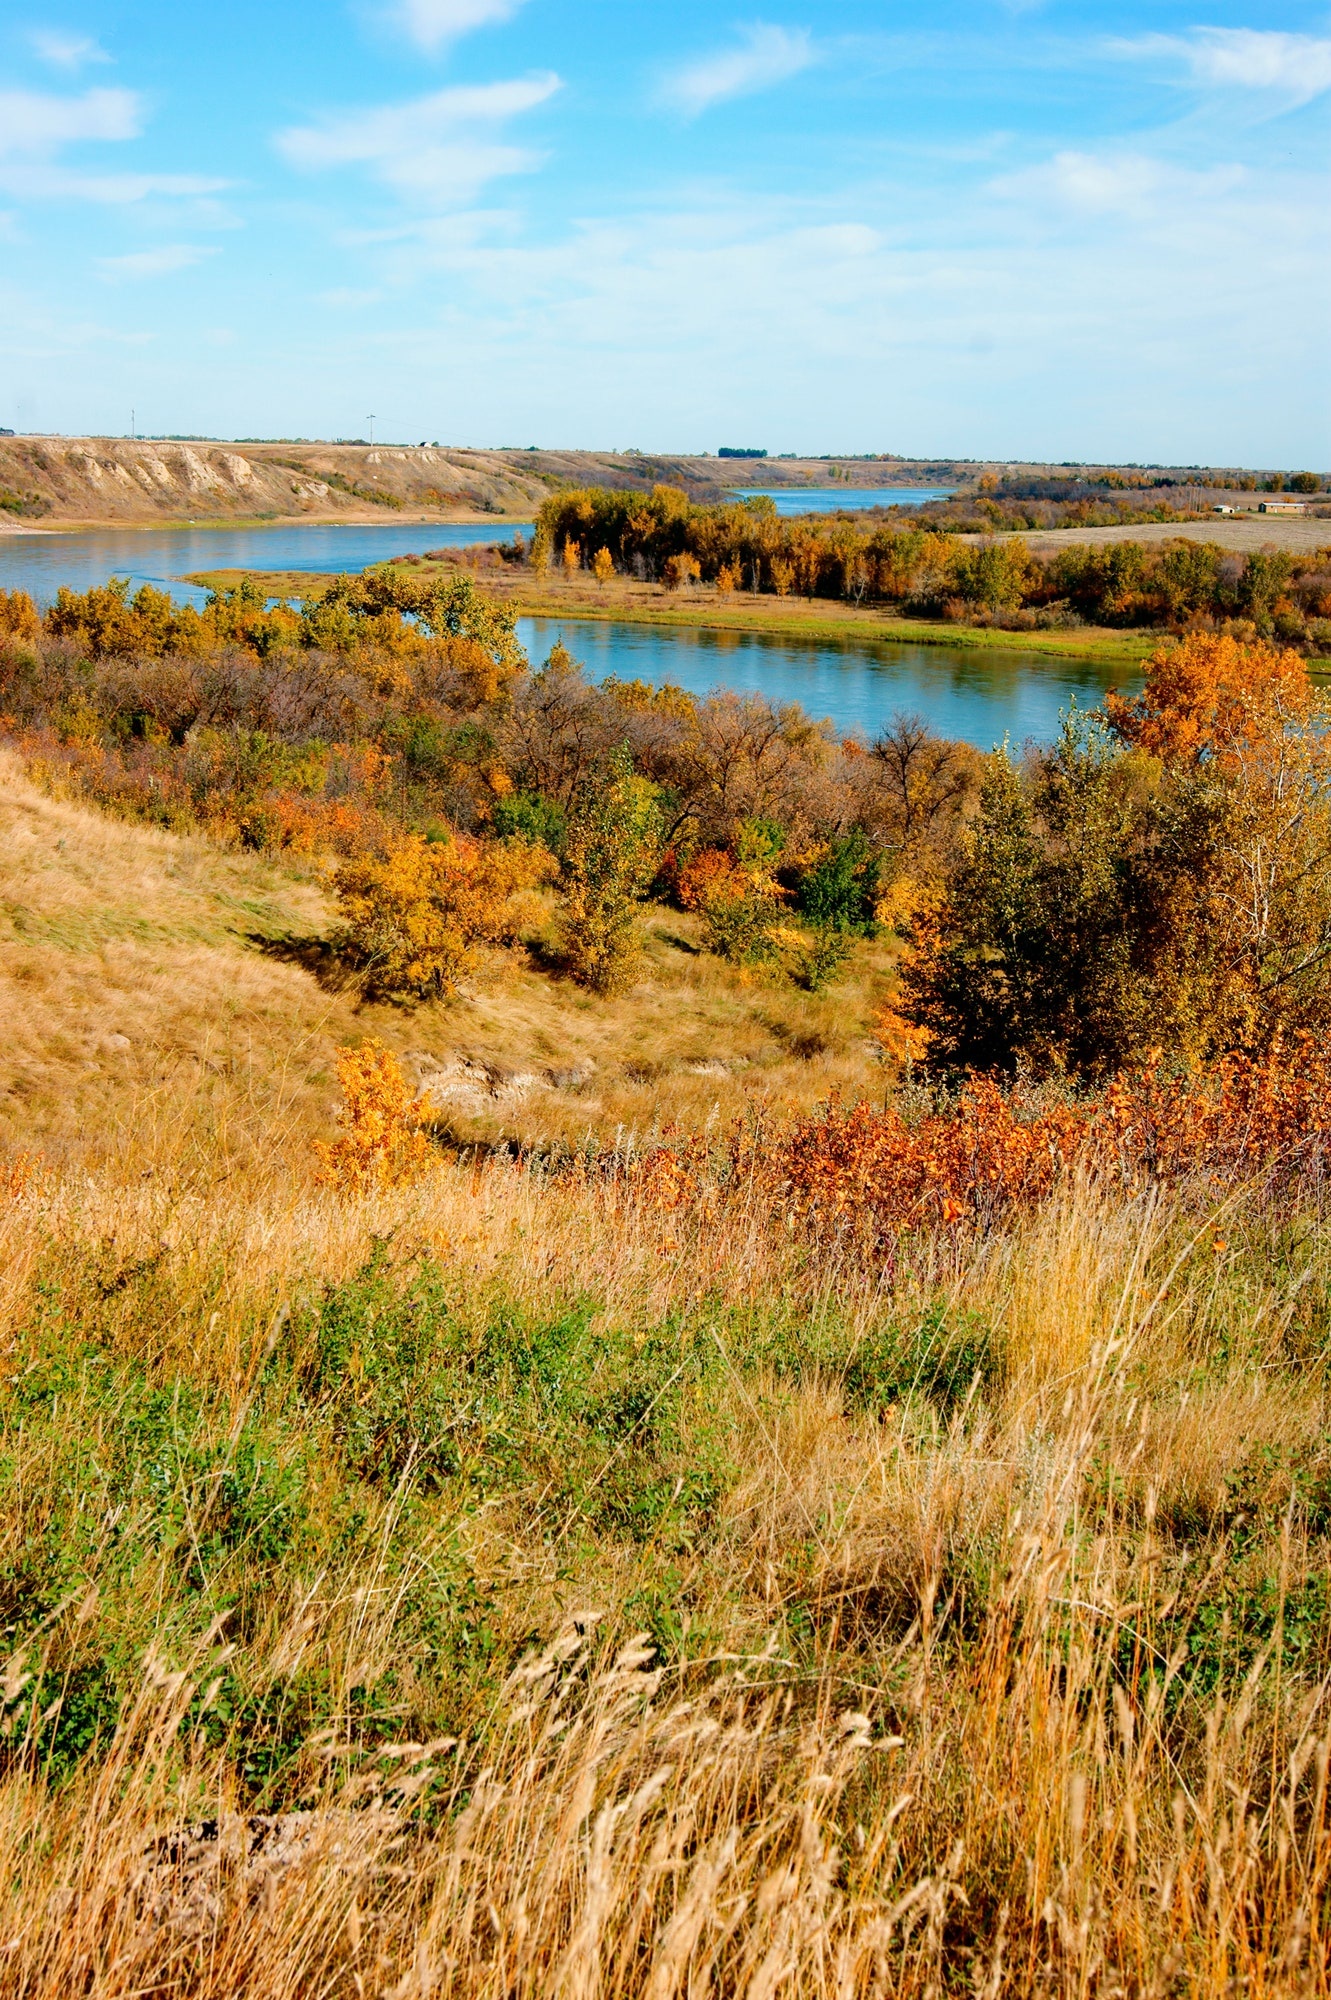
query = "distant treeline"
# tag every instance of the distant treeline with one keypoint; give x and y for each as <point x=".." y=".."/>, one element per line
<point x="746" y="545"/>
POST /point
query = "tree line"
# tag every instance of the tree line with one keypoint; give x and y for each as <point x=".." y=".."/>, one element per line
<point x="918" y="569"/>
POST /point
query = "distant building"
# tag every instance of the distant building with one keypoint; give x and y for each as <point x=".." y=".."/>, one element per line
<point x="733" y="451"/>
<point x="4" y="433"/>
<point x="1281" y="507"/>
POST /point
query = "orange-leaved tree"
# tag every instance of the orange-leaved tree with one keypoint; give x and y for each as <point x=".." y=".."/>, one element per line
<point x="1211" y="693"/>
<point x="1244" y="832"/>
<point x="381" y="1144"/>
<point x="415" y="913"/>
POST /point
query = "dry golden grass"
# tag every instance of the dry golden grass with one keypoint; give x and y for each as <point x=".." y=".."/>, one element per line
<point x="1014" y="1687"/>
<point x="967" y="1765"/>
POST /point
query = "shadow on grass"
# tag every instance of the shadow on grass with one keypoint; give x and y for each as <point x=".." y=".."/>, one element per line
<point x="318" y="957"/>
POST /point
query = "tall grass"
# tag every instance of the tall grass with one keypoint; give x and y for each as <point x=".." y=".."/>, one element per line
<point x="515" y="1585"/>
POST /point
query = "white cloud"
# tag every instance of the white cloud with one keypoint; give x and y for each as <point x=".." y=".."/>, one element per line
<point x="66" y="51"/>
<point x="1295" y="67"/>
<point x="904" y="315"/>
<point x="767" y="55"/>
<point x="37" y="182"/>
<point x="158" y="263"/>
<point x="438" y="150"/>
<point x="1129" y="184"/>
<point x="431" y="23"/>
<point x="34" y="124"/>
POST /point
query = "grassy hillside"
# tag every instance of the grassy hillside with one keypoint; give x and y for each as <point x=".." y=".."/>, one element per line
<point x="157" y="984"/>
<point x="583" y="1579"/>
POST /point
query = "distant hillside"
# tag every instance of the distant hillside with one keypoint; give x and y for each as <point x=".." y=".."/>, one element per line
<point x="45" y="481"/>
<point x="114" y="479"/>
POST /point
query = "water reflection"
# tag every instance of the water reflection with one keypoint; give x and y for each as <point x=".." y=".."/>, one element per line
<point x="979" y="694"/>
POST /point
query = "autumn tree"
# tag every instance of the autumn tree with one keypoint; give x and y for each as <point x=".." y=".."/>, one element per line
<point x="736" y="892"/>
<point x="414" y="914"/>
<point x="1242" y="863"/>
<point x="612" y="851"/>
<point x="380" y="1144"/>
<point x="18" y="616"/>
<point x="913" y="791"/>
<point x="1164" y="882"/>
<point x="1028" y="953"/>
<point x="1208" y="694"/>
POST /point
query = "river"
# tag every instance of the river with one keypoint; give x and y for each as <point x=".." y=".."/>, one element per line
<point x="793" y="500"/>
<point x="977" y="693"/>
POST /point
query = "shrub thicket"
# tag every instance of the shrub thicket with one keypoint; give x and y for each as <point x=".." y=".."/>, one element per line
<point x="1159" y="879"/>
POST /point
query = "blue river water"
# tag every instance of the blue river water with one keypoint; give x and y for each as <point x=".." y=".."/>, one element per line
<point x="39" y="564"/>
<point x="977" y="693"/>
<point x="792" y="500"/>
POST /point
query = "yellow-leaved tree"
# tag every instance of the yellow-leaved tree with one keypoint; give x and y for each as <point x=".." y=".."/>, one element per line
<point x="380" y="1143"/>
<point x="415" y="913"/>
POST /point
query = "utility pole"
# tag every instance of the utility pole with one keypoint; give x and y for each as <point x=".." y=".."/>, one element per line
<point x="370" y="421"/>
<point x="133" y="427"/>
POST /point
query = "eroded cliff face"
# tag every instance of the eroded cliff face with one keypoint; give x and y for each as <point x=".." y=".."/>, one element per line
<point x="60" y="482"/>
<point x="50" y="481"/>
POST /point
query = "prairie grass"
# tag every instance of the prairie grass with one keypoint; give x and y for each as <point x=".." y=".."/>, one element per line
<point x="596" y="1607"/>
<point x="514" y="1585"/>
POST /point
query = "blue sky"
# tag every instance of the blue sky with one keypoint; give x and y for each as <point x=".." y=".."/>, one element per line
<point x="988" y="227"/>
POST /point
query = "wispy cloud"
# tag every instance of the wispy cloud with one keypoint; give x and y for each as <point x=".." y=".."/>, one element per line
<point x="1296" y="68"/>
<point x="1125" y="184"/>
<point x="66" y="51"/>
<point x="35" y="124"/>
<point x="36" y="127"/>
<point x="429" y="24"/>
<point x="766" y="55"/>
<point x="158" y="263"/>
<point x="36" y="181"/>
<point x="437" y="150"/>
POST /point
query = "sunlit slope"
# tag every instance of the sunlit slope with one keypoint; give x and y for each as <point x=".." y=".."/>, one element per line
<point x="158" y="992"/>
<point x="133" y="979"/>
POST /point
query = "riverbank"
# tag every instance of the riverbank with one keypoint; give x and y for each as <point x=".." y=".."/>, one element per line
<point x="699" y="607"/>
